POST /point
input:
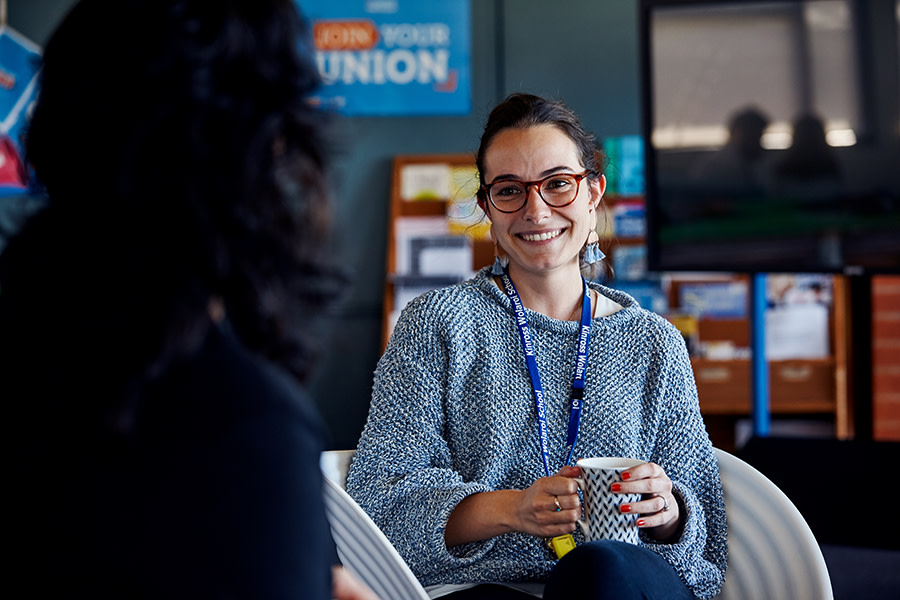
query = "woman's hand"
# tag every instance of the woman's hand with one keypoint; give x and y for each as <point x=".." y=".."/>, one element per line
<point x="344" y="586"/>
<point x="550" y="506"/>
<point x="660" y="516"/>
<point x="533" y="510"/>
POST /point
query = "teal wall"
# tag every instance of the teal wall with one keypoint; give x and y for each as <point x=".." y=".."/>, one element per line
<point x="582" y="51"/>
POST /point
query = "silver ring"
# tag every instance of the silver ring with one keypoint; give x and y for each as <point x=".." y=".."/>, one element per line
<point x="558" y="507"/>
<point x="665" y="507"/>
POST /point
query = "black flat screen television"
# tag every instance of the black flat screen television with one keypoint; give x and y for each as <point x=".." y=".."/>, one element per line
<point x="772" y="133"/>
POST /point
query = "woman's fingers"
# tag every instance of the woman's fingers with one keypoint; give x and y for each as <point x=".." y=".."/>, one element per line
<point x="657" y="509"/>
<point x="647" y="478"/>
<point x="550" y="507"/>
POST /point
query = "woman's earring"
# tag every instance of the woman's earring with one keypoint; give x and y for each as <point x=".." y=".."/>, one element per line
<point x="592" y="252"/>
<point x="500" y="261"/>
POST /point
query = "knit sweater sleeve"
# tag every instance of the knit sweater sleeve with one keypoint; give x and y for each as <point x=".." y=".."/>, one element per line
<point x="402" y="473"/>
<point x="682" y="447"/>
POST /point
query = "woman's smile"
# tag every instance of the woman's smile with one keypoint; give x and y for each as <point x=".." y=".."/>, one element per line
<point x="541" y="237"/>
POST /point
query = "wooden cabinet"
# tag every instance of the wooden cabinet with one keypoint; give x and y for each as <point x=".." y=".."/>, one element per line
<point x="798" y="388"/>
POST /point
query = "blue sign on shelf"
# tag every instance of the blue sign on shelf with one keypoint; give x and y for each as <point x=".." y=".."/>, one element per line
<point x="392" y="57"/>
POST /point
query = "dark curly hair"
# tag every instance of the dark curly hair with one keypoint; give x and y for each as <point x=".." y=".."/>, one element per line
<point x="182" y="163"/>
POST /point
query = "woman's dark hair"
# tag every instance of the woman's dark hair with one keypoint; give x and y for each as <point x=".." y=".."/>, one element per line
<point x="182" y="162"/>
<point x="520" y="111"/>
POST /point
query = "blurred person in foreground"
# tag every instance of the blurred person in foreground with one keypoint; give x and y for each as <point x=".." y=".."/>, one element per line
<point x="159" y="444"/>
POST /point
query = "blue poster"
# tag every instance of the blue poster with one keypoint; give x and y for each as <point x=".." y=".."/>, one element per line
<point x="392" y="57"/>
<point x="19" y="67"/>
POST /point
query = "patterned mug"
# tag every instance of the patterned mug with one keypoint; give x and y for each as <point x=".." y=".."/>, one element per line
<point x="602" y="518"/>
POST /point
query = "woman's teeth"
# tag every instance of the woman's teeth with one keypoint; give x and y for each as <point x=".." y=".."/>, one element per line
<point x="540" y="237"/>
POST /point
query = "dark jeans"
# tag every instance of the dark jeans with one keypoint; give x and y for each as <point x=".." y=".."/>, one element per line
<point x="596" y="571"/>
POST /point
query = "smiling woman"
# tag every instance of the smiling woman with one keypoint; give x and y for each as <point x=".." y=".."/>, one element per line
<point x="542" y="239"/>
<point x="466" y="461"/>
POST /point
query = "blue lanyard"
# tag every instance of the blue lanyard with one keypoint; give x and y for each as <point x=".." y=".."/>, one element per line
<point x="576" y="398"/>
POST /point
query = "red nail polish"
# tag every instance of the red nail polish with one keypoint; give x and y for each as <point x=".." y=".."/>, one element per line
<point x="625" y="508"/>
<point x="615" y="487"/>
<point x="640" y="522"/>
<point x="626" y="475"/>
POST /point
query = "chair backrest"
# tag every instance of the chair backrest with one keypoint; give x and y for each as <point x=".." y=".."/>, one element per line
<point x="362" y="547"/>
<point x="335" y="464"/>
<point x="772" y="552"/>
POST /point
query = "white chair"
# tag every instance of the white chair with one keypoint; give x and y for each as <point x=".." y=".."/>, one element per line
<point x="772" y="553"/>
<point x="362" y="547"/>
<point x="335" y="465"/>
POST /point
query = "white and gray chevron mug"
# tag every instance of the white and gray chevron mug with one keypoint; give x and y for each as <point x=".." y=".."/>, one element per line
<point x="603" y="519"/>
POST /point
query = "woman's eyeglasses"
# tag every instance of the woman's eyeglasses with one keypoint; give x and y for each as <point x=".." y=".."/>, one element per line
<point x="509" y="195"/>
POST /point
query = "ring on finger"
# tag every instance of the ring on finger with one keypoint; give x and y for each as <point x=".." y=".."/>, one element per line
<point x="556" y="502"/>
<point x="665" y="507"/>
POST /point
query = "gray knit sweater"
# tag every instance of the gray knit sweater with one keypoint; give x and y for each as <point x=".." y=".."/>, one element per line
<point x="453" y="414"/>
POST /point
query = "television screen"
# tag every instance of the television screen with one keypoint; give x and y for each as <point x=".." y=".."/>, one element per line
<point x="773" y="135"/>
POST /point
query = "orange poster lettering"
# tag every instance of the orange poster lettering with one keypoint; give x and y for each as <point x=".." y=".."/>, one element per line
<point x="345" y="35"/>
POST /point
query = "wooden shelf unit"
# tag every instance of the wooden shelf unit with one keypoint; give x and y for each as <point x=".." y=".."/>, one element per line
<point x="482" y="250"/>
<point x="797" y="387"/>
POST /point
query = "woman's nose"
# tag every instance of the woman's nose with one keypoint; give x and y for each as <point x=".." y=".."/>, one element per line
<point x="535" y="209"/>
